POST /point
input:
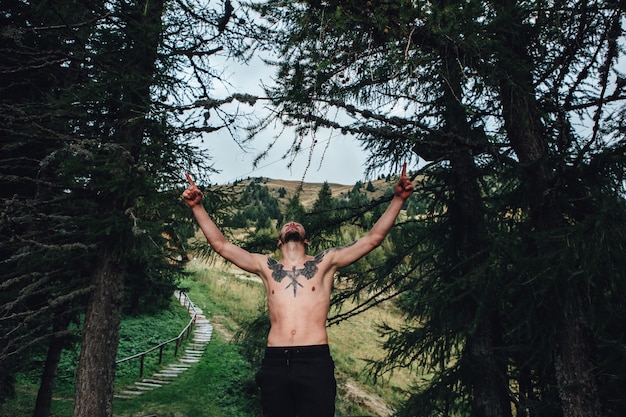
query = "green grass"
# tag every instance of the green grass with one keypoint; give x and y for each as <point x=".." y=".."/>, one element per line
<point x="220" y="295"/>
<point x="354" y="343"/>
<point x="141" y="333"/>
<point x="137" y="334"/>
<point x="222" y="384"/>
<point x="23" y="403"/>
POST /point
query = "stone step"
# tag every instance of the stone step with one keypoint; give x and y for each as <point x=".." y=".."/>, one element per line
<point x="202" y="333"/>
<point x="131" y="392"/>
<point x="156" y="381"/>
<point x="141" y="388"/>
<point x="187" y="357"/>
<point x="180" y="366"/>
<point x="200" y="346"/>
<point x="142" y="385"/>
<point x="174" y="372"/>
<point x="171" y="371"/>
<point x="165" y="375"/>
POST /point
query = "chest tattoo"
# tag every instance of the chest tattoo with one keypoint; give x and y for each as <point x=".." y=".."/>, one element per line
<point x="308" y="271"/>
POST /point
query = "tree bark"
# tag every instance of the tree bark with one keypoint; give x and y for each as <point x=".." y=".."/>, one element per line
<point x="489" y="381"/>
<point x="578" y="389"/>
<point x="486" y="375"/>
<point x="43" y="403"/>
<point x="573" y="368"/>
<point x="95" y="375"/>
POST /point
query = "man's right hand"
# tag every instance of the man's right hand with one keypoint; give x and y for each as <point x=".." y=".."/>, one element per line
<point x="192" y="195"/>
<point x="404" y="187"/>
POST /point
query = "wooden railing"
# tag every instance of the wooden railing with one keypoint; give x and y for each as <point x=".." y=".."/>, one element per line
<point x="185" y="301"/>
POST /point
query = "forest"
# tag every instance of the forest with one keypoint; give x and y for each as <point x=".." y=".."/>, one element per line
<point x="508" y="264"/>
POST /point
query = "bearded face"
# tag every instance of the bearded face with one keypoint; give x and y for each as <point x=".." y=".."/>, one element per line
<point x="292" y="232"/>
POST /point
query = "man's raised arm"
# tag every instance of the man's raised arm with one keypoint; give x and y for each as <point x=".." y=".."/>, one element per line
<point x="242" y="258"/>
<point x="351" y="253"/>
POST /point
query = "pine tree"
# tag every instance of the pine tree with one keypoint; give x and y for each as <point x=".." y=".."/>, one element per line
<point x="322" y="215"/>
<point x="94" y="143"/>
<point x="489" y="93"/>
<point x="45" y="253"/>
<point x="294" y="210"/>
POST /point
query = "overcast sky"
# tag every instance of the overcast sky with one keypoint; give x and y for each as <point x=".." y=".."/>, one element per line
<point x="337" y="159"/>
<point x="334" y="158"/>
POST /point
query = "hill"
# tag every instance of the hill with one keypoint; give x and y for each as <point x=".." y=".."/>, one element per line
<point x="308" y="191"/>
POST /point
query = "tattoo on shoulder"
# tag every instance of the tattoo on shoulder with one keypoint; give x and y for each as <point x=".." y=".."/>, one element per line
<point x="278" y="272"/>
<point x="310" y="267"/>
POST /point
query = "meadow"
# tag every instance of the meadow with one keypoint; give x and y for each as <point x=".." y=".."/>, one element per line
<point x="232" y="298"/>
<point x="222" y="384"/>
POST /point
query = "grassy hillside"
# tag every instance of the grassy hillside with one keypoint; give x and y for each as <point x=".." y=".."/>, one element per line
<point x="354" y="343"/>
<point x="308" y="191"/>
<point x="222" y="384"/>
<point x="232" y="298"/>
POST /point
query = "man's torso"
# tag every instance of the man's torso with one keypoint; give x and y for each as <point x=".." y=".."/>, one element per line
<point x="298" y="299"/>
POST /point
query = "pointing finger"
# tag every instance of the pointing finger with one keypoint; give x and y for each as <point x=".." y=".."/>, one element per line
<point x="403" y="174"/>
<point x="189" y="179"/>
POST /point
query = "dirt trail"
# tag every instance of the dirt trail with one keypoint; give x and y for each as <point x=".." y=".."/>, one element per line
<point x="354" y="393"/>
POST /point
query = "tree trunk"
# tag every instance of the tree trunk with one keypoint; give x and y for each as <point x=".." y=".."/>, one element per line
<point x="95" y="375"/>
<point x="522" y="115"/>
<point x="489" y="379"/>
<point x="96" y="372"/>
<point x="486" y="375"/>
<point x="44" y="395"/>
<point x="573" y="368"/>
<point x="578" y="389"/>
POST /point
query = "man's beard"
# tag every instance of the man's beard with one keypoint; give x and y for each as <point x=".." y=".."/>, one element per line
<point x="292" y="236"/>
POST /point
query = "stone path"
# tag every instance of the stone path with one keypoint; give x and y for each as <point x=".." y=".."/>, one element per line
<point x="202" y="332"/>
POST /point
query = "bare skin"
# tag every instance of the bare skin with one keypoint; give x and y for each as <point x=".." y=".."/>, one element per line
<point x="298" y="285"/>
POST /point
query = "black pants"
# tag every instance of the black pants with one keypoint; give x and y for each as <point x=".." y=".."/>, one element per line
<point x="297" y="381"/>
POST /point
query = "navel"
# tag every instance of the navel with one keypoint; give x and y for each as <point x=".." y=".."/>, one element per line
<point x="272" y="291"/>
<point x="293" y="332"/>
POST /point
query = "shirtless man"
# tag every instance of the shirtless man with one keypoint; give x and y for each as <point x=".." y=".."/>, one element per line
<point x="297" y="374"/>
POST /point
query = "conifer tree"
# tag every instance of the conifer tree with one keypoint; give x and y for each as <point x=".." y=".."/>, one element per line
<point x="96" y="135"/>
<point x="490" y="94"/>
